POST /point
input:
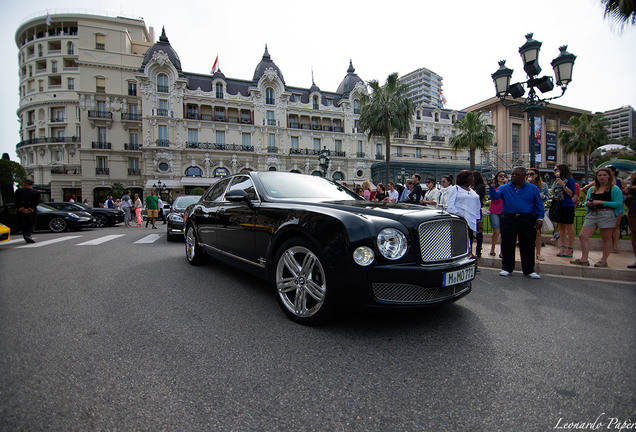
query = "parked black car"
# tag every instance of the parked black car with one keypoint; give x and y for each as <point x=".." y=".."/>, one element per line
<point x="49" y="218"/>
<point x="103" y="216"/>
<point x="322" y="245"/>
<point x="175" y="216"/>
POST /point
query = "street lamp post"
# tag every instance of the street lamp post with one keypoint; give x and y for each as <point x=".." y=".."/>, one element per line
<point x="562" y="66"/>
<point x="159" y="187"/>
<point x="324" y="160"/>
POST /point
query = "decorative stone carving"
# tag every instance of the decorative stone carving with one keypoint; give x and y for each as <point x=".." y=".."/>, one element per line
<point x="163" y="157"/>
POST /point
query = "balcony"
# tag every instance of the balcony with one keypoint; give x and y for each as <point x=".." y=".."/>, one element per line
<point x="272" y="149"/>
<point x="101" y="145"/>
<point x="132" y="171"/>
<point x="57" y="120"/>
<point x="131" y="116"/>
<point x="46" y="140"/>
<point x="100" y="115"/>
<point x="132" y="146"/>
<point x="308" y="152"/>
<point x="206" y="117"/>
<point x="438" y="139"/>
<point x="100" y="46"/>
<point x="163" y="88"/>
<point x="379" y="157"/>
<point x="271" y="122"/>
<point x="162" y="112"/>
<point x="102" y="171"/>
<point x="420" y="137"/>
<point x="162" y="143"/>
<point x="219" y="146"/>
<point x="360" y="154"/>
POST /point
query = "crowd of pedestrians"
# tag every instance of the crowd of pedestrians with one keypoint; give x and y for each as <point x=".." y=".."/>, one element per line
<point x="518" y="207"/>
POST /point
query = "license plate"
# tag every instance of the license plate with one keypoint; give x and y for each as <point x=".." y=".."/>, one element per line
<point x="458" y="276"/>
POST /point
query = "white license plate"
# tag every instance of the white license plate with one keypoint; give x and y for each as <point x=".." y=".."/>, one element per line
<point x="458" y="276"/>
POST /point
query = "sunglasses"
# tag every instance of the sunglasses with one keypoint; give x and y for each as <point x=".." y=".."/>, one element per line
<point x="501" y="175"/>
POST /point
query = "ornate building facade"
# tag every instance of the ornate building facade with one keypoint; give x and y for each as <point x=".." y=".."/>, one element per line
<point x="102" y="104"/>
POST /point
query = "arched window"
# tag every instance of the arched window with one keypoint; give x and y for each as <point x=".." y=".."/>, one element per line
<point x="436" y="117"/>
<point x="219" y="91"/>
<point x="315" y="102"/>
<point x="194" y="172"/>
<point x="356" y="106"/>
<point x="338" y="175"/>
<point x="269" y="96"/>
<point x="70" y="48"/>
<point x="162" y="83"/>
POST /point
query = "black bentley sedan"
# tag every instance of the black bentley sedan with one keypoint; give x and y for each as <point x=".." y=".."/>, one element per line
<point x="48" y="218"/>
<point x="320" y="244"/>
<point x="103" y="216"/>
<point x="174" y="230"/>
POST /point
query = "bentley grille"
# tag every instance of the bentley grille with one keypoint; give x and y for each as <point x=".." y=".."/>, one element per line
<point x="407" y="293"/>
<point x="443" y="240"/>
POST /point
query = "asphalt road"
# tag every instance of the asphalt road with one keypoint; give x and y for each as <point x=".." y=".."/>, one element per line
<point x="127" y="336"/>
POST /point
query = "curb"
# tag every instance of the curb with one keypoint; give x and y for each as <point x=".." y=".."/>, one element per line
<point x="608" y="273"/>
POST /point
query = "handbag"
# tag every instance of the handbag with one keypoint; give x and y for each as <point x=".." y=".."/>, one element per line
<point x="485" y="212"/>
<point x="555" y="210"/>
<point x="547" y="226"/>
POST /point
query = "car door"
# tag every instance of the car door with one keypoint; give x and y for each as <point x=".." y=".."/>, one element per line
<point x="235" y="221"/>
<point x="204" y="212"/>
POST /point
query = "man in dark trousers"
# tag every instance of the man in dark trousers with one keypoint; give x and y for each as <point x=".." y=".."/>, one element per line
<point x="416" y="193"/>
<point x="26" y="203"/>
<point x="522" y="216"/>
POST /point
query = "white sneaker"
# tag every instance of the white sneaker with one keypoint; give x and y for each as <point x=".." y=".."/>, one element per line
<point x="534" y="275"/>
<point x="504" y="273"/>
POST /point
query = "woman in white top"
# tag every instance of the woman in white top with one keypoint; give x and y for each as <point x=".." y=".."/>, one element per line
<point x="464" y="202"/>
<point x="447" y="184"/>
<point x="433" y="194"/>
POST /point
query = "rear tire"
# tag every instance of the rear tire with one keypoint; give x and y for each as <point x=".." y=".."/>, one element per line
<point x="194" y="252"/>
<point x="57" y="225"/>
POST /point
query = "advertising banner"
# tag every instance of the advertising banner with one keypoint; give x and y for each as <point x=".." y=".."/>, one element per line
<point x="550" y="140"/>
<point x="537" y="134"/>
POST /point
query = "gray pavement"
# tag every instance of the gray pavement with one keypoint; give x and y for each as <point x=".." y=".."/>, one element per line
<point x="554" y="265"/>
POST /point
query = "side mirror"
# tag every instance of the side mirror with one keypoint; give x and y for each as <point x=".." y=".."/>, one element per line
<point x="238" y="195"/>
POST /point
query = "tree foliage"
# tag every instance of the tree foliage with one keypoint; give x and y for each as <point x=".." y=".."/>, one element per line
<point x="197" y="191"/>
<point x="474" y="134"/>
<point x="388" y="110"/>
<point x="620" y="12"/>
<point x="11" y="173"/>
<point x="585" y="137"/>
<point x="116" y="190"/>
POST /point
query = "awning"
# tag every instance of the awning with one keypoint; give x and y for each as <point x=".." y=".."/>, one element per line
<point x="170" y="184"/>
<point x="199" y="181"/>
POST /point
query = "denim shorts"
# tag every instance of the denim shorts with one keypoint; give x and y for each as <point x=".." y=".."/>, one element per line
<point x="495" y="221"/>
<point x="600" y="219"/>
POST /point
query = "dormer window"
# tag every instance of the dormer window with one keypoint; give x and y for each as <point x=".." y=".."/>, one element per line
<point x="315" y="102"/>
<point x="269" y="96"/>
<point x="162" y="83"/>
<point x="356" y="106"/>
<point x="219" y="91"/>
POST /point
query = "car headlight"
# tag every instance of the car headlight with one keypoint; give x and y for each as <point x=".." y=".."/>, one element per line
<point x="73" y="215"/>
<point x="363" y="255"/>
<point x="175" y="217"/>
<point x="392" y="243"/>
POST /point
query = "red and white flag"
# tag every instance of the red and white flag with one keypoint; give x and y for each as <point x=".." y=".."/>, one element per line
<point x="48" y="18"/>
<point x="215" y="66"/>
<point x="442" y="98"/>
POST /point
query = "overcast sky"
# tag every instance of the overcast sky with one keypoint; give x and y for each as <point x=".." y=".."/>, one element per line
<point x="461" y="40"/>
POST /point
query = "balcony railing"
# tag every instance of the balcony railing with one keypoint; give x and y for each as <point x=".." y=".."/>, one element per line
<point x="131" y="116"/>
<point x="100" y="115"/>
<point x="420" y="137"/>
<point x="215" y="146"/>
<point x="162" y="112"/>
<point x="206" y="117"/>
<point x="438" y="138"/>
<point x="379" y="157"/>
<point x="272" y="149"/>
<point x="57" y="120"/>
<point x="100" y="89"/>
<point x="102" y="171"/>
<point x="45" y="140"/>
<point x="101" y="145"/>
<point x="162" y="143"/>
<point x="162" y="88"/>
<point x="133" y="146"/>
<point x="135" y="171"/>
<point x="100" y="46"/>
<point x="360" y="154"/>
<point x="309" y="152"/>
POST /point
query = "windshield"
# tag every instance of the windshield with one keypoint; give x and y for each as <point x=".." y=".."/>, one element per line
<point x="291" y="185"/>
<point x="183" y="202"/>
<point x="44" y="208"/>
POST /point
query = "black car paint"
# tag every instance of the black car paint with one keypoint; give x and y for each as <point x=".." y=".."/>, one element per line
<point x="9" y="218"/>
<point x="239" y="231"/>
<point x="112" y="216"/>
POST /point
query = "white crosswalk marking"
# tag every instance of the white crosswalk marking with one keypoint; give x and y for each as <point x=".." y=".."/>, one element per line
<point x="149" y="239"/>
<point x="48" y="242"/>
<point x="100" y="240"/>
<point x="12" y="241"/>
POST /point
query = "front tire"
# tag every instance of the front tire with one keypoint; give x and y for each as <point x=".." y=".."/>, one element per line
<point x="101" y="220"/>
<point x="301" y="280"/>
<point x="194" y="253"/>
<point x="57" y="225"/>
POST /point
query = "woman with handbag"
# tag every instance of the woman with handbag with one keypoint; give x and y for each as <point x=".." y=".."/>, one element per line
<point x="602" y="204"/>
<point x="532" y="176"/>
<point x="562" y="208"/>
<point x="495" y="209"/>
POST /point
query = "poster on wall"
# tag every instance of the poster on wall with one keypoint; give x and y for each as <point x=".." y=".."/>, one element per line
<point x="537" y="134"/>
<point x="550" y="140"/>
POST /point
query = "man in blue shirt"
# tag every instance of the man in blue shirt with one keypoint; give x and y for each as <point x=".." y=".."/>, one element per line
<point x="522" y="216"/>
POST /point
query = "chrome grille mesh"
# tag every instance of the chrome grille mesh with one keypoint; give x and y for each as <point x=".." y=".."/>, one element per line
<point x="443" y="239"/>
<point x="406" y="293"/>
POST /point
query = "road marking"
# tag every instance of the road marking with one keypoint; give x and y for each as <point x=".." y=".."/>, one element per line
<point x="101" y="240"/>
<point x="48" y="242"/>
<point x="149" y="239"/>
<point x="12" y="241"/>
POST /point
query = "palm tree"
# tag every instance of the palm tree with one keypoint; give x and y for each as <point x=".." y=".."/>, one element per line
<point x="586" y="136"/>
<point x="388" y="110"/>
<point x="474" y="134"/>
<point x="621" y="12"/>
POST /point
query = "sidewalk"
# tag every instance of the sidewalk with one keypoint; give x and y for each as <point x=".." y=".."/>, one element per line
<point x="554" y="265"/>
